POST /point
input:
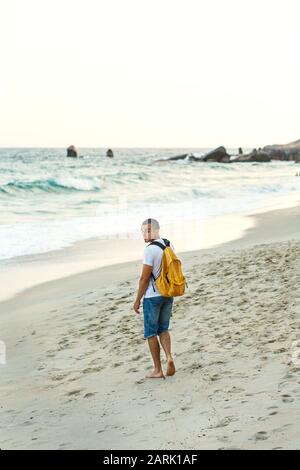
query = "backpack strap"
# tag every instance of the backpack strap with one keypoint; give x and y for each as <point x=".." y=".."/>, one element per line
<point x="167" y="242"/>
<point x="160" y="245"/>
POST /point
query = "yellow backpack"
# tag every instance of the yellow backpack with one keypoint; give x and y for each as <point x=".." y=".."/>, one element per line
<point x="171" y="281"/>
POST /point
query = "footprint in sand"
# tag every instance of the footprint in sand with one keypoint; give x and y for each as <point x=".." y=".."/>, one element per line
<point x="261" y="436"/>
<point x="91" y="370"/>
<point x="282" y="428"/>
<point x="138" y="357"/>
<point x="89" y="395"/>
<point x="75" y="379"/>
<point x="225" y="421"/>
<point x="287" y="399"/>
<point x="215" y="377"/>
<point x="59" y="377"/>
<point x="165" y="412"/>
<point x="50" y="353"/>
<point x="140" y="381"/>
<point x="262" y="418"/>
<point x="74" y="393"/>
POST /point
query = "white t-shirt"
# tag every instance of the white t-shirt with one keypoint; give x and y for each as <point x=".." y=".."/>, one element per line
<point x="152" y="257"/>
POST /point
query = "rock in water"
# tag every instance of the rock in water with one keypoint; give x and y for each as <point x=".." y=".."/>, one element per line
<point x="289" y="151"/>
<point x="71" y="151"/>
<point x="178" y="157"/>
<point x="254" y="156"/>
<point x="217" y="155"/>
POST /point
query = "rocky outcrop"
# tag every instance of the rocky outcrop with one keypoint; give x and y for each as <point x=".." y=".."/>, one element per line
<point x="178" y="157"/>
<point x="217" y="155"/>
<point x="193" y="158"/>
<point x="254" y="156"/>
<point x="189" y="156"/>
<point x="286" y="147"/>
<point x="289" y="151"/>
<point x="266" y="154"/>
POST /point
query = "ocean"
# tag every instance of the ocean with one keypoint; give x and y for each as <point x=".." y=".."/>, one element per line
<point x="49" y="201"/>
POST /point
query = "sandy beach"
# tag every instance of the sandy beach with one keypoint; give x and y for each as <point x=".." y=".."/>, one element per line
<point x="130" y="121"/>
<point x="76" y="358"/>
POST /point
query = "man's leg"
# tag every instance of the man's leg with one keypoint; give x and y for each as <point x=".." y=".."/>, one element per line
<point x="164" y="335"/>
<point x="151" y="307"/>
<point x="165" y="341"/>
<point x="155" y="353"/>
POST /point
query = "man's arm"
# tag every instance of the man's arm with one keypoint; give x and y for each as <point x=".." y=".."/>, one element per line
<point x="143" y="284"/>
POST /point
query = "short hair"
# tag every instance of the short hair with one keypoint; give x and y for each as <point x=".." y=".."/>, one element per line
<point x="153" y="222"/>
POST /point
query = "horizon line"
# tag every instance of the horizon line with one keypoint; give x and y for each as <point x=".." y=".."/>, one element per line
<point x="128" y="147"/>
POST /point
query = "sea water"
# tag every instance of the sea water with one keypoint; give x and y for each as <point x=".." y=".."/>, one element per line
<point x="49" y="201"/>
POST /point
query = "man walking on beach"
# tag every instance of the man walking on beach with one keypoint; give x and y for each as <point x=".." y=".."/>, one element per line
<point x="157" y="308"/>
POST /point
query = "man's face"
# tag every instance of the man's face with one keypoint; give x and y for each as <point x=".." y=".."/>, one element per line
<point x="148" y="233"/>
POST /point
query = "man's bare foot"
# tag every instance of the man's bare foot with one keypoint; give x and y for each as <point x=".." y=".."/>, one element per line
<point x="171" y="367"/>
<point x="155" y="375"/>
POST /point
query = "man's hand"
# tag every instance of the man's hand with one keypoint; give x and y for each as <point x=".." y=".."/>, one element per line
<point x="136" y="306"/>
<point x="143" y="284"/>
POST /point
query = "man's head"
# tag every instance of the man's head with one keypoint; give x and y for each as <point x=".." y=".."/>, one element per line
<point x="150" y="230"/>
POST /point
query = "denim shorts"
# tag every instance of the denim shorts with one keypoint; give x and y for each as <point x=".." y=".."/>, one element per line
<point x="157" y="313"/>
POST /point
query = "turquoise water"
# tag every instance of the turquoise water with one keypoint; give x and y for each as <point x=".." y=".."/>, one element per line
<point x="49" y="201"/>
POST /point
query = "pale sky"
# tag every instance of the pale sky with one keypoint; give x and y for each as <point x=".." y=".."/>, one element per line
<point x="149" y="73"/>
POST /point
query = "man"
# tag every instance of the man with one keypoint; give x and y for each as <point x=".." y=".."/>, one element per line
<point x="157" y="308"/>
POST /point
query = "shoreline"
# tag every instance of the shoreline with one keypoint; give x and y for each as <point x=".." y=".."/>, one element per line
<point x="264" y="227"/>
<point x="25" y="272"/>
